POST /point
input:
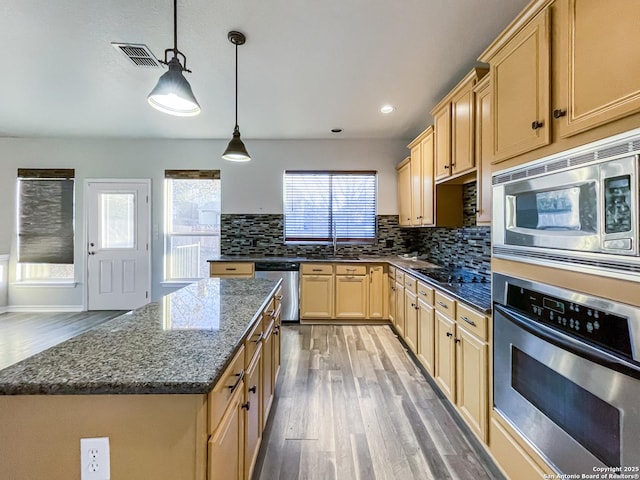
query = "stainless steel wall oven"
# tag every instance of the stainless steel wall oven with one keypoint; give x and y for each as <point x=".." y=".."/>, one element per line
<point x="567" y="374"/>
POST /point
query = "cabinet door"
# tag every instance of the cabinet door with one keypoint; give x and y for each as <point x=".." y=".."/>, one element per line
<point x="226" y="445"/>
<point x="352" y="296"/>
<point x="399" y="308"/>
<point x="416" y="185"/>
<point x="471" y="381"/>
<point x="445" y="355"/>
<point x="520" y="87"/>
<point x="442" y="144"/>
<point x="252" y="414"/>
<point x="316" y="296"/>
<point x="483" y="152"/>
<point x="392" y="300"/>
<point x="427" y="180"/>
<point x="411" y="320"/>
<point x="377" y="292"/>
<point x="404" y="194"/>
<point x="426" y="341"/>
<point x="267" y="375"/>
<point x="462" y="132"/>
<point x="598" y="63"/>
<point x="277" y="343"/>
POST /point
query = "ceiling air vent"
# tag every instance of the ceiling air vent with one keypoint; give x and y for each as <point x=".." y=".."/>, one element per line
<point x="139" y="54"/>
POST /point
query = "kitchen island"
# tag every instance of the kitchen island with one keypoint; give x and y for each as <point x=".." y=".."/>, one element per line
<point x="144" y="379"/>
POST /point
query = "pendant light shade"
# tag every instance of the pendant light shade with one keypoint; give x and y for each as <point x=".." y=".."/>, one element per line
<point x="172" y="94"/>
<point x="236" y="151"/>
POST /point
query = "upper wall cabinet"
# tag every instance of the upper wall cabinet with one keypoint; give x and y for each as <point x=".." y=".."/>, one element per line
<point x="520" y="68"/>
<point x="598" y="63"/>
<point x="483" y="151"/>
<point x="404" y="192"/>
<point x="454" y="122"/>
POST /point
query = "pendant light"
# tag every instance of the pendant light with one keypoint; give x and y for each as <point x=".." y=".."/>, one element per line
<point x="172" y="94"/>
<point x="236" y="151"/>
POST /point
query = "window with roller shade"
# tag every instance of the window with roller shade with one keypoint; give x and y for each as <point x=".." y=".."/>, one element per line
<point x="321" y="205"/>
<point x="192" y="222"/>
<point x="45" y="224"/>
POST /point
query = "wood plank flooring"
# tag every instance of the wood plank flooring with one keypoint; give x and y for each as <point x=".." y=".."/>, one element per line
<point x="351" y="404"/>
<point x="25" y="334"/>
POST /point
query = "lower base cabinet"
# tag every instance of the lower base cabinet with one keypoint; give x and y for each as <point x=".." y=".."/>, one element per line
<point x="252" y="413"/>
<point x="226" y="446"/>
<point x="445" y="370"/>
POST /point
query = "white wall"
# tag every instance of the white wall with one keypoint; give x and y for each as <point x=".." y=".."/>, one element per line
<point x="253" y="187"/>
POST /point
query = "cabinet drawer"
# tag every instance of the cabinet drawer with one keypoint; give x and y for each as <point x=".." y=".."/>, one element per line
<point x="351" y="269"/>
<point x="231" y="268"/>
<point x="473" y="321"/>
<point x="399" y="276"/>
<point x="425" y="293"/>
<point x="392" y="272"/>
<point x="251" y="343"/>
<point x="445" y="305"/>
<point x="268" y="314"/>
<point x="410" y="284"/>
<point x="222" y="393"/>
<point x="316" y="269"/>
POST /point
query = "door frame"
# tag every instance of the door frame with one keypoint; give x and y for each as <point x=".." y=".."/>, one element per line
<point x="85" y="231"/>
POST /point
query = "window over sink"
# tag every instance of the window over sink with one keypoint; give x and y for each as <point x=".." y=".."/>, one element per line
<point x="328" y="206"/>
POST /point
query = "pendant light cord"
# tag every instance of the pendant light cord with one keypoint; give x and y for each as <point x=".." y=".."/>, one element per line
<point x="236" y="85"/>
<point x="175" y="28"/>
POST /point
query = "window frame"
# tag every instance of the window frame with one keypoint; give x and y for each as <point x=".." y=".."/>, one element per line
<point x="295" y="240"/>
<point x="168" y="218"/>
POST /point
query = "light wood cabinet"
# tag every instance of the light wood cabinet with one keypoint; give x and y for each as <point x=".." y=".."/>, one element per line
<point x="400" y="310"/>
<point x="226" y="445"/>
<point x="268" y="367"/>
<point x="404" y="192"/>
<point x="454" y="120"/>
<point x="428" y="197"/>
<point x="597" y="62"/>
<point x="411" y="319"/>
<point x="252" y="412"/>
<point x="392" y="294"/>
<point x="378" y="304"/>
<point x="426" y="319"/>
<point x="231" y="269"/>
<point x="416" y="184"/>
<point x="316" y="291"/>
<point x="352" y="296"/>
<point x="484" y="150"/>
<point x="445" y="355"/>
<point x="520" y="88"/>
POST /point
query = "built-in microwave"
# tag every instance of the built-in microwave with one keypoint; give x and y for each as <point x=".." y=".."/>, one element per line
<point x="579" y="208"/>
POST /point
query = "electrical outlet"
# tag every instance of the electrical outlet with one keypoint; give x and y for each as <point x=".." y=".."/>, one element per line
<point x="94" y="459"/>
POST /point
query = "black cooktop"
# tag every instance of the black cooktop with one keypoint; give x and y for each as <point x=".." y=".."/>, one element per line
<point x="452" y="275"/>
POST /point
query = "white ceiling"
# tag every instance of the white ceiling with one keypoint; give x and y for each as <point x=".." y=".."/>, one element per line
<point x="308" y="65"/>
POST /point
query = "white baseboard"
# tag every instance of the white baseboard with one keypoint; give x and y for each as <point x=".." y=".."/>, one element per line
<point x="43" y="308"/>
<point x="4" y="309"/>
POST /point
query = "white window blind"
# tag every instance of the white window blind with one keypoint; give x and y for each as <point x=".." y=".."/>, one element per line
<point x="45" y="216"/>
<point x="322" y="205"/>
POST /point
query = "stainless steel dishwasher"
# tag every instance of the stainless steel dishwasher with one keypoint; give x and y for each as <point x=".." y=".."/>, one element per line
<point x="289" y="272"/>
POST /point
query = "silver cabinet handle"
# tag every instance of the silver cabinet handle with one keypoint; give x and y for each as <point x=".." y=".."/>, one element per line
<point x="470" y="322"/>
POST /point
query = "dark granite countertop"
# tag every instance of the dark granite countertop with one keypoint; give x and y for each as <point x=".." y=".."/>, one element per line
<point x="179" y="345"/>
<point x="476" y="295"/>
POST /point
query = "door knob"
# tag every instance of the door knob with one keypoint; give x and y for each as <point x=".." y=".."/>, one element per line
<point x="536" y="125"/>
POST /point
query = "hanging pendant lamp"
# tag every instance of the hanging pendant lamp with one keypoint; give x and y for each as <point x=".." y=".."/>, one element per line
<point x="172" y="94"/>
<point x="236" y="151"/>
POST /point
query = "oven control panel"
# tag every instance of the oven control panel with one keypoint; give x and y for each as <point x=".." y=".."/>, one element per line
<point x="596" y="326"/>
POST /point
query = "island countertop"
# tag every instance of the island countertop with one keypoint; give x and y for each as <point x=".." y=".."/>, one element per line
<point x="179" y="345"/>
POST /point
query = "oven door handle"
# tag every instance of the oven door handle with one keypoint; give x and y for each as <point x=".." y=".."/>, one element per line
<point x="567" y="343"/>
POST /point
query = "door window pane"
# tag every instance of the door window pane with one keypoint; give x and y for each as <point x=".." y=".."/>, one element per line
<point x="117" y="220"/>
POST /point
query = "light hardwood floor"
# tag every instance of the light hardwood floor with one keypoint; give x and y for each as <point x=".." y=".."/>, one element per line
<point x="25" y="334"/>
<point x="351" y="404"/>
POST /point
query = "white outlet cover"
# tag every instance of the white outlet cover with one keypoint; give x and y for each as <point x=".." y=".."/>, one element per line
<point x="95" y="462"/>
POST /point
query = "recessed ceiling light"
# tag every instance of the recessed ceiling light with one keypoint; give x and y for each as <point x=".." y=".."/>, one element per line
<point x="336" y="130"/>
<point x="387" y="109"/>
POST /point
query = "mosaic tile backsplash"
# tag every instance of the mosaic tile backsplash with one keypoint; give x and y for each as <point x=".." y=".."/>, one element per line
<point x="468" y="247"/>
<point x="263" y="235"/>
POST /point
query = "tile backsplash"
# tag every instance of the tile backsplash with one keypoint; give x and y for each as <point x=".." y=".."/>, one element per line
<point x="468" y="246"/>
<point x="248" y="234"/>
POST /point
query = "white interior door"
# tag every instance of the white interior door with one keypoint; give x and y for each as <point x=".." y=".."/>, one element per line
<point x="118" y="255"/>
